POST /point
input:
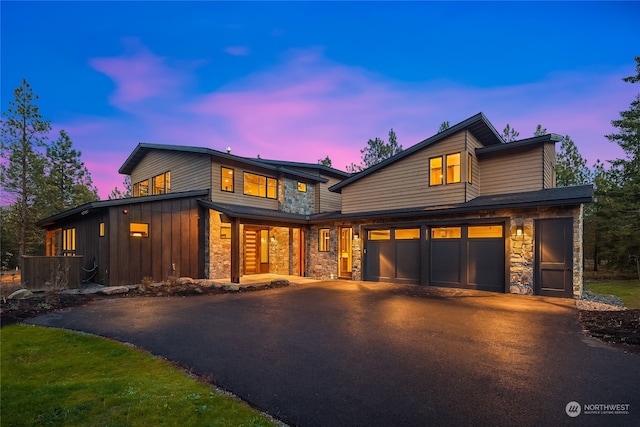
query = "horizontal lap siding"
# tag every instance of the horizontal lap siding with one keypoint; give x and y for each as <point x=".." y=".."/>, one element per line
<point x="237" y="197"/>
<point x="189" y="171"/>
<point x="549" y="165"/>
<point x="329" y="201"/>
<point x="405" y="183"/>
<point x="473" y="189"/>
<point x="503" y="173"/>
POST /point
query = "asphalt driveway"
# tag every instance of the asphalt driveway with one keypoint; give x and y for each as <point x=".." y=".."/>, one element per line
<point x="352" y="353"/>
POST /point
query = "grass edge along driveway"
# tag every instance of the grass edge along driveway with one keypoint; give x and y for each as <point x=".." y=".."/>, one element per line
<point x="58" y="377"/>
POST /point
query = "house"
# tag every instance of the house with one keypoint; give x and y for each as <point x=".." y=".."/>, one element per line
<point x="460" y="209"/>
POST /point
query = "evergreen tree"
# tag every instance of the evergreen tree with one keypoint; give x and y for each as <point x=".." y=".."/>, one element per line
<point x="509" y="134"/>
<point x="23" y="132"/>
<point x="375" y="152"/>
<point x="68" y="181"/>
<point x="325" y="162"/>
<point x="540" y="131"/>
<point x="444" y="126"/>
<point x="116" y="193"/>
<point x="571" y="167"/>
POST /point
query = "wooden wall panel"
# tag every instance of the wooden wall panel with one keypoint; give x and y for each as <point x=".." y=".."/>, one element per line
<point x="549" y="165"/>
<point x="238" y="197"/>
<point x="511" y="172"/>
<point x="328" y="200"/>
<point x="189" y="171"/>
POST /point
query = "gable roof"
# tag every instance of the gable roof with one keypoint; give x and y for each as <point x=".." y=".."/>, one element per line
<point x="143" y="148"/>
<point x="103" y="204"/>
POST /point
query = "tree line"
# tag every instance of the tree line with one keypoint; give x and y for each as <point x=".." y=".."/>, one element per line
<point x="39" y="178"/>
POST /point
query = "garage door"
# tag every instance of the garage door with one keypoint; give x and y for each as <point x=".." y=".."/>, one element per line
<point x="471" y="257"/>
<point x="393" y="255"/>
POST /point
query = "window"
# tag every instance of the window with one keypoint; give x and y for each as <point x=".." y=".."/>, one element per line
<point x="453" y="168"/>
<point x="225" y="232"/>
<point x="407" y="233"/>
<point x="323" y="240"/>
<point x="446" y="233"/>
<point x="302" y="187"/>
<point x="435" y="171"/>
<point x="161" y="183"/>
<point x="483" y="231"/>
<point x="379" y="234"/>
<point x="226" y="179"/>
<point x="137" y="229"/>
<point x="141" y="188"/>
<point x="260" y="186"/>
<point x="470" y="169"/>
<point x="69" y="242"/>
<point x="101" y="229"/>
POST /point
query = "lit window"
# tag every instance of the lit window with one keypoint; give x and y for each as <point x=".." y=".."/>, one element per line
<point x="260" y="186"/>
<point x="69" y="242"/>
<point x="137" y="229"/>
<point x="227" y="180"/>
<point x="101" y="229"/>
<point x="161" y="183"/>
<point x="225" y="232"/>
<point x="407" y="234"/>
<point x="484" y="231"/>
<point x="302" y="187"/>
<point x="446" y="233"/>
<point x="141" y="188"/>
<point x="453" y="168"/>
<point x="379" y="234"/>
<point x="435" y="171"/>
<point x="470" y="169"/>
<point x="323" y="240"/>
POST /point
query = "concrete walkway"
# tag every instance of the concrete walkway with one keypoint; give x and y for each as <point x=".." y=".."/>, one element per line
<point x="367" y="354"/>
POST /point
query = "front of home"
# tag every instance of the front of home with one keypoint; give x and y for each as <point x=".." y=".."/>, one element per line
<point x="460" y="209"/>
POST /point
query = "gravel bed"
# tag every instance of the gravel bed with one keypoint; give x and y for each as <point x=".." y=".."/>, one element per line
<point x="598" y="302"/>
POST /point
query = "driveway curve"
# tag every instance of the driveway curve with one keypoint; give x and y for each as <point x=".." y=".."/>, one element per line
<point x="345" y="353"/>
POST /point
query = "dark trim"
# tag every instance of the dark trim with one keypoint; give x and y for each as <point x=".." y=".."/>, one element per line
<point x="519" y="144"/>
<point x="233" y="182"/>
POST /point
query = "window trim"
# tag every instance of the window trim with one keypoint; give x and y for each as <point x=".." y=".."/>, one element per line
<point x="431" y="170"/>
<point x="166" y="187"/>
<point x="101" y="229"/>
<point x="469" y="168"/>
<point x="268" y="184"/>
<point x="324" y="241"/>
<point x="459" y="165"/>
<point x="302" y="187"/>
<point x="143" y="233"/>
<point x="138" y="185"/>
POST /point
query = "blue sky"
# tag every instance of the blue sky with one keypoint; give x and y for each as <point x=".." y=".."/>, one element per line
<point x="302" y="80"/>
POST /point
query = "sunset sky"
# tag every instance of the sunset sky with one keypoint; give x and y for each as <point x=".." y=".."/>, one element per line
<point x="302" y="80"/>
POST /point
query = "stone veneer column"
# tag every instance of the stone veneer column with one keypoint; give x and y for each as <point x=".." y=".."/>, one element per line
<point x="522" y="253"/>
<point x="578" y="254"/>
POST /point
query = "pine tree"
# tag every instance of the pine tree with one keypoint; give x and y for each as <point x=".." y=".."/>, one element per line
<point x="325" y="162"/>
<point x="24" y="131"/>
<point x="116" y="193"/>
<point x="571" y="167"/>
<point x="375" y="152"/>
<point x="509" y="134"/>
<point x="444" y="126"/>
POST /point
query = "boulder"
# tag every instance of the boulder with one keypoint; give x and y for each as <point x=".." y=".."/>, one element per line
<point x="280" y="282"/>
<point x="21" y="294"/>
<point x="185" y="281"/>
<point x="231" y="287"/>
<point x="112" y="290"/>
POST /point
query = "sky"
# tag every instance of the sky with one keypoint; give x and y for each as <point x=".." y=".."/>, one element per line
<point x="300" y="81"/>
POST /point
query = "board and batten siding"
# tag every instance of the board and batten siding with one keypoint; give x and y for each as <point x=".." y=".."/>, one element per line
<point x="328" y="201"/>
<point x="549" y="165"/>
<point x="511" y="172"/>
<point x="405" y="183"/>
<point x="189" y="171"/>
<point x="237" y="197"/>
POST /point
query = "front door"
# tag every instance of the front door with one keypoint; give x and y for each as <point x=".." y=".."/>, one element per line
<point x="344" y="252"/>
<point x="256" y="250"/>
<point x="554" y="257"/>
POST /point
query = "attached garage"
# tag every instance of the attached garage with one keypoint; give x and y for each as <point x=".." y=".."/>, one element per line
<point x="462" y="256"/>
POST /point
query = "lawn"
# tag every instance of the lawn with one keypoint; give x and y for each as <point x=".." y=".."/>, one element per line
<point x="627" y="290"/>
<point x="57" y="377"/>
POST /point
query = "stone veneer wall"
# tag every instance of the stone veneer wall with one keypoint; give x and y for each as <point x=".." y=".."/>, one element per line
<point x="218" y="251"/>
<point x="294" y="201"/>
<point x="279" y="250"/>
<point x="322" y="265"/>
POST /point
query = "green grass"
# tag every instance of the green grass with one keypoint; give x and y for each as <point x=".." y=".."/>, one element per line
<point x="627" y="290"/>
<point x="58" y="377"/>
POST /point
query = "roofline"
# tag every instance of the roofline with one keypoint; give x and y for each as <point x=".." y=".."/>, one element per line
<point x="552" y="137"/>
<point x="103" y="204"/>
<point x="127" y="166"/>
<point x="480" y="117"/>
<point x="327" y="169"/>
<point x="277" y="216"/>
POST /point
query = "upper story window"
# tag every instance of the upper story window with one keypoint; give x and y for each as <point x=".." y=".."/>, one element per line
<point x="162" y="183"/>
<point x="226" y="179"/>
<point x="302" y="187"/>
<point x="437" y="166"/>
<point x="141" y="188"/>
<point x="260" y="186"/>
<point x="469" y="169"/>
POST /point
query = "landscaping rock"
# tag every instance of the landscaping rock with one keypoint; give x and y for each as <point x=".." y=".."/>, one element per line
<point x="231" y="287"/>
<point x="21" y="294"/>
<point x="280" y="282"/>
<point x="157" y="285"/>
<point x="112" y="290"/>
<point x="185" y="281"/>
